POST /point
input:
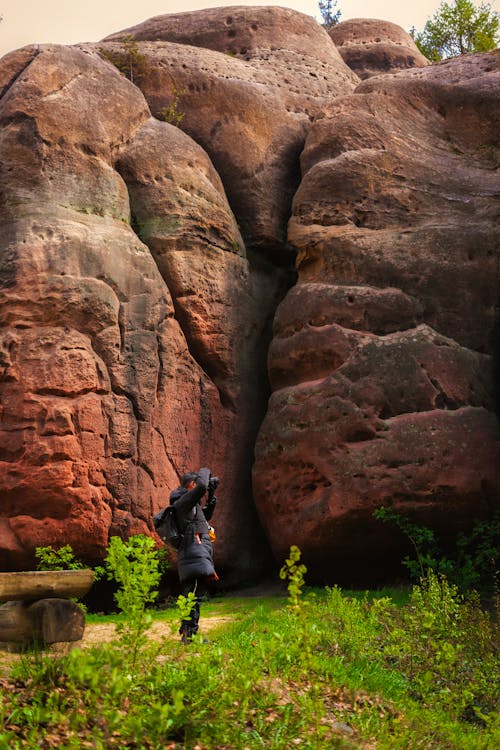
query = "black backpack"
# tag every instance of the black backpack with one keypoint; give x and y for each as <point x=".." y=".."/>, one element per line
<point x="166" y="527"/>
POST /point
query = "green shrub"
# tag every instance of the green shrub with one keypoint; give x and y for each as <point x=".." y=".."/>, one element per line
<point x="172" y="113"/>
<point x="473" y="564"/>
<point x="63" y="558"/>
<point x="445" y="646"/>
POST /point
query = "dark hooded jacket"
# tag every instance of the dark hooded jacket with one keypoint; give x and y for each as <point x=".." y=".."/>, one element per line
<point x="194" y="557"/>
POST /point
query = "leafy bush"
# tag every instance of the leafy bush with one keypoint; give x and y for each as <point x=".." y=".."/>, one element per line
<point x="446" y="647"/>
<point x="63" y="558"/>
<point x="473" y="564"/>
<point x="173" y="114"/>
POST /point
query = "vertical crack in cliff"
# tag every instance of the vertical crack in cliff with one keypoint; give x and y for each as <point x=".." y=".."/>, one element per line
<point x="203" y="362"/>
<point x="495" y="344"/>
<point x="169" y="456"/>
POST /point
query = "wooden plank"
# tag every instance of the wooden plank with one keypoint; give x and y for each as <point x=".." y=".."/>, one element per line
<point x="31" y="585"/>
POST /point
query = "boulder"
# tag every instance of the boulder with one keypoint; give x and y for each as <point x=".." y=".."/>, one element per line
<point x="370" y="47"/>
<point x="65" y="215"/>
<point x="248" y="83"/>
<point x="46" y="621"/>
<point x="382" y="359"/>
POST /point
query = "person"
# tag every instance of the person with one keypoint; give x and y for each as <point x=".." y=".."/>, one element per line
<point x="195" y="564"/>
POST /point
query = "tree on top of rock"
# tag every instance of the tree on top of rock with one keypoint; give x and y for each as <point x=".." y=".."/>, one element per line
<point x="329" y="15"/>
<point x="458" y="28"/>
<point x="128" y="59"/>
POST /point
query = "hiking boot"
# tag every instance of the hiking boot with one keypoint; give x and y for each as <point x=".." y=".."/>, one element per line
<point x="186" y="634"/>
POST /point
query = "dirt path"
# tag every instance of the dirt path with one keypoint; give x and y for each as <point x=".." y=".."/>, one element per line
<point x="98" y="633"/>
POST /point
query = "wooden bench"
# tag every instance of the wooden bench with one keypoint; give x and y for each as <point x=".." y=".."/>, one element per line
<point x="38" y="606"/>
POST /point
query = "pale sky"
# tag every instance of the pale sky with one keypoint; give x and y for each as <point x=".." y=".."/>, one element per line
<point x="69" y="22"/>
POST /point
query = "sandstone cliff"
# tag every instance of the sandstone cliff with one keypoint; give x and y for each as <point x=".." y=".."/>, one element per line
<point x="141" y="265"/>
<point x="252" y="81"/>
<point x="382" y="361"/>
<point x="121" y="365"/>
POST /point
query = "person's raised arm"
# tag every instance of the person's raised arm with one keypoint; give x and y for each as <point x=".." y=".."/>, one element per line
<point x="192" y="497"/>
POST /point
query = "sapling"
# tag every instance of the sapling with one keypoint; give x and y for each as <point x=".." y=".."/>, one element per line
<point x="134" y="565"/>
<point x="472" y="564"/>
<point x="294" y="572"/>
<point x="173" y="114"/>
<point x="128" y="59"/>
<point x="185" y="605"/>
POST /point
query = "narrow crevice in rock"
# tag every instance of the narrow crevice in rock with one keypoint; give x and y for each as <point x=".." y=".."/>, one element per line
<point x="496" y="364"/>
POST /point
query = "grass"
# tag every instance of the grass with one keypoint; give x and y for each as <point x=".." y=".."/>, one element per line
<point x="339" y="670"/>
<point x="236" y="606"/>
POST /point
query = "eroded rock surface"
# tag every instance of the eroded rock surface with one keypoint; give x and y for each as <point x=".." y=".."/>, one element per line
<point x="371" y="47"/>
<point x="251" y="80"/>
<point x="382" y="357"/>
<point x="119" y="369"/>
<point x="140" y="266"/>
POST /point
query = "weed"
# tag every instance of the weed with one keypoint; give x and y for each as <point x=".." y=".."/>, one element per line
<point x="294" y="572"/>
<point x="445" y="646"/>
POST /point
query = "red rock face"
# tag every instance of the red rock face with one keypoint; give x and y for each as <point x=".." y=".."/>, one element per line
<point x="371" y="47"/>
<point x="119" y="365"/>
<point x="140" y="267"/>
<point x="252" y="79"/>
<point x="382" y="358"/>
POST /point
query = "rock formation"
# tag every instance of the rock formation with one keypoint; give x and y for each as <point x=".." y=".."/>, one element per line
<point x="370" y="47"/>
<point x="251" y="81"/>
<point x="382" y="358"/>
<point x="141" y="265"/>
<point x="121" y="366"/>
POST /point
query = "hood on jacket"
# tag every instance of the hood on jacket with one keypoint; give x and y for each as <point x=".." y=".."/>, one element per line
<point x="176" y="494"/>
